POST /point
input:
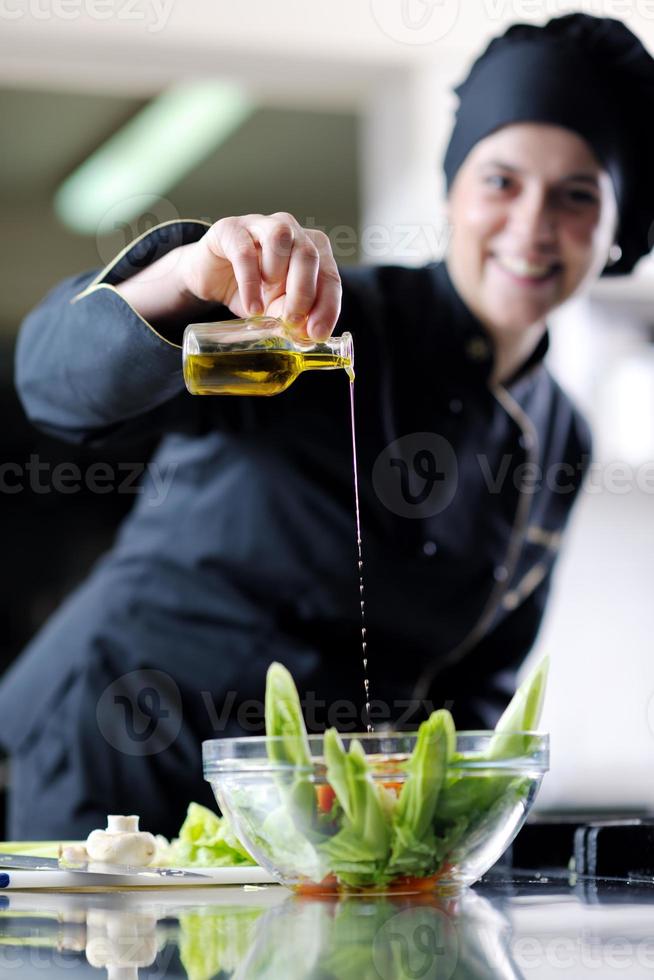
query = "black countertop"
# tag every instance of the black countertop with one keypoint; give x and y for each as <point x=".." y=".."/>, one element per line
<point x="510" y="924"/>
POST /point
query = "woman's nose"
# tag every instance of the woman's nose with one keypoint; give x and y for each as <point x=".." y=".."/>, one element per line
<point x="532" y="218"/>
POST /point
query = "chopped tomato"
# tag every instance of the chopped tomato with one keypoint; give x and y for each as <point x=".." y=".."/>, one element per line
<point x="412" y="883"/>
<point x="326" y="797"/>
<point x="330" y="883"/>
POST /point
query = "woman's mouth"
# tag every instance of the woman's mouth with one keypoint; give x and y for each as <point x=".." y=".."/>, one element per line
<point x="527" y="273"/>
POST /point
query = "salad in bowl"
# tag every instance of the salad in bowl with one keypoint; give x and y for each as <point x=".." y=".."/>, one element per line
<point x="379" y="812"/>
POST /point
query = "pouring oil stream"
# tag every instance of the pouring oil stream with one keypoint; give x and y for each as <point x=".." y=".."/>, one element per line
<point x="364" y="645"/>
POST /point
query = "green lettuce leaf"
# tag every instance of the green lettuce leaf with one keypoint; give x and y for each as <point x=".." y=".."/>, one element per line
<point x="359" y="851"/>
<point x="471" y="794"/>
<point x="289" y="746"/>
<point x="426" y="768"/>
<point x="414" y="848"/>
<point x="207" y="840"/>
<point x="522" y="714"/>
<point x="279" y="837"/>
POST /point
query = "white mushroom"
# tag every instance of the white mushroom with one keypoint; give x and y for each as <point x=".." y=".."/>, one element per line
<point x="121" y="843"/>
<point x="73" y="854"/>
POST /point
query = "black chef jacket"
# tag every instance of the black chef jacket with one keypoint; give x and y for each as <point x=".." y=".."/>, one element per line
<point x="250" y="554"/>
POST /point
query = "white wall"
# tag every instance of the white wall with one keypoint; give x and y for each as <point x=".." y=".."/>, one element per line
<point x="599" y="628"/>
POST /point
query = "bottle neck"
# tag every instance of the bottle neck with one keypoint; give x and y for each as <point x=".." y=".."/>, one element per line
<point x="327" y="355"/>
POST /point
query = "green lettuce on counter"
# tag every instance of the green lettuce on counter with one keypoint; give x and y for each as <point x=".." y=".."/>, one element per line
<point x="207" y="840"/>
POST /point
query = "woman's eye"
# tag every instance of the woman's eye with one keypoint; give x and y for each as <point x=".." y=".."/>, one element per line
<point x="499" y="181"/>
<point x="579" y="196"/>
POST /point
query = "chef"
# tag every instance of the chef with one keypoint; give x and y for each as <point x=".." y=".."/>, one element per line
<point x="470" y="456"/>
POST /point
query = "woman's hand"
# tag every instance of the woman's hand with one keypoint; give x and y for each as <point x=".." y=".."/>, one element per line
<point x="253" y="264"/>
<point x="267" y="264"/>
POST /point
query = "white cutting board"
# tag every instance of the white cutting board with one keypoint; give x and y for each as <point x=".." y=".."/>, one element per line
<point x="19" y="879"/>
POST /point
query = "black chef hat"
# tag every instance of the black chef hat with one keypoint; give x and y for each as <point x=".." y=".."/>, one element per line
<point x="588" y="74"/>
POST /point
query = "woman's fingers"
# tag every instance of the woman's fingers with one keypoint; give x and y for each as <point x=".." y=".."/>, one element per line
<point x="327" y="306"/>
<point x="272" y="256"/>
<point x="231" y="239"/>
<point x="276" y="235"/>
<point x="301" y="281"/>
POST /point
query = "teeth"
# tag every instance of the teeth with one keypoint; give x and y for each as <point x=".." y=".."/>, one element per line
<point x="520" y="267"/>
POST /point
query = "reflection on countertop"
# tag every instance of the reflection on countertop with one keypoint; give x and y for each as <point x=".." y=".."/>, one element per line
<point x="510" y="925"/>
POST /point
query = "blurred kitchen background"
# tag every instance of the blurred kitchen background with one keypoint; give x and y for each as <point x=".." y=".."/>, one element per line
<point x="338" y="112"/>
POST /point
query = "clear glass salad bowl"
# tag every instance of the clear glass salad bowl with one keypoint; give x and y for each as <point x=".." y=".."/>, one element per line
<point x="351" y="833"/>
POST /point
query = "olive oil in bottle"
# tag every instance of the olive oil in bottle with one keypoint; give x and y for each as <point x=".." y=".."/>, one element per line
<point x="255" y="371"/>
<point x="257" y="355"/>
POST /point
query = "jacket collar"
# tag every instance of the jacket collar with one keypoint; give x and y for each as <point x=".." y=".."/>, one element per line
<point x="469" y="344"/>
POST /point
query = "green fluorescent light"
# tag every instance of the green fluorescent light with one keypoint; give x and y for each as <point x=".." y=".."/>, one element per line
<point x="150" y="154"/>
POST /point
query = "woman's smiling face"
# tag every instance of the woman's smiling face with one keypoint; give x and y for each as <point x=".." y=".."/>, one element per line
<point x="533" y="215"/>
